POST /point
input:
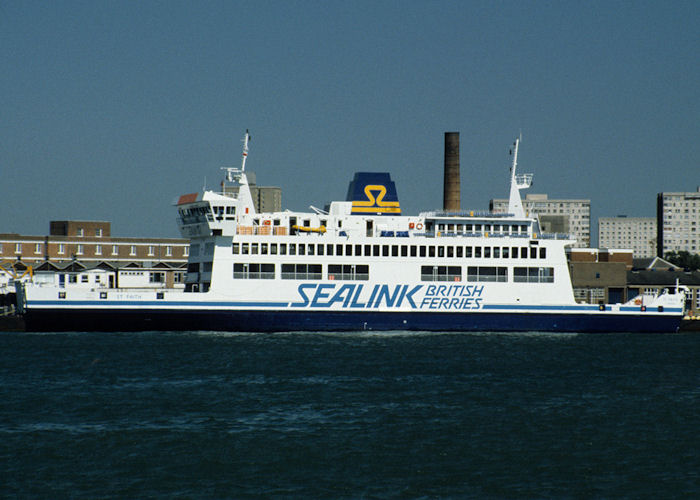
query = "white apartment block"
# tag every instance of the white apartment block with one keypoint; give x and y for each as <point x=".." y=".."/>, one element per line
<point x="678" y="220"/>
<point x="578" y="213"/>
<point x="636" y="233"/>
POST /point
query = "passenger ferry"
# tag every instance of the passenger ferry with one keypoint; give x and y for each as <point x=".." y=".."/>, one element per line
<point x="360" y="264"/>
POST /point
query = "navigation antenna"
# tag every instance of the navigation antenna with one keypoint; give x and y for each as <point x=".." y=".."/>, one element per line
<point x="236" y="173"/>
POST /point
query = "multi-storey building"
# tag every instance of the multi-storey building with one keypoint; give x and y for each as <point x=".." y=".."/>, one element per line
<point x="636" y="233"/>
<point x="578" y="213"/>
<point x="87" y="244"/>
<point x="678" y="222"/>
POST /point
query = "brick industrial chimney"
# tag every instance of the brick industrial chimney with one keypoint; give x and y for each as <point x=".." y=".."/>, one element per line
<point x="451" y="186"/>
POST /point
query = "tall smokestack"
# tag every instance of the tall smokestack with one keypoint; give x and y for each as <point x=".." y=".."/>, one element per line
<point x="451" y="193"/>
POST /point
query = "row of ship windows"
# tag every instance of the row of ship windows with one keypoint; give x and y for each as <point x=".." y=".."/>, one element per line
<point x="440" y="251"/>
<point x="360" y="272"/>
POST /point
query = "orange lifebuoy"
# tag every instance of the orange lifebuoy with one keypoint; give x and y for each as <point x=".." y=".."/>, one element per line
<point x="419" y="226"/>
<point x="411" y="225"/>
<point x="637" y="301"/>
<point x="267" y="222"/>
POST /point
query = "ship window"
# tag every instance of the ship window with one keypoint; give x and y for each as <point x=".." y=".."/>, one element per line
<point x="254" y="271"/>
<point x="450" y="252"/>
<point x="533" y="253"/>
<point x="311" y="249"/>
<point x="533" y="275"/>
<point x="358" y="250"/>
<point x="301" y="271"/>
<point x="496" y="228"/>
<point x="460" y="252"/>
<point x="515" y="252"/>
<point x="273" y="248"/>
<point x="468" y="228"/>
<point x="254" y="248"/>
<point x="348" y="250"/>
<point x="523" y="228"/>
<point x="477" y="252"/>
<point x="404" y="250"/>
<point x="477" y="228"/>
<point x="487" y="228"/>
<point x="292" y="249"/>
<point x="487" y="252"/>
<point x="441" y="273"/>
<point x="329" y="249"/>
<point x="394" y="250"/>
<point x="283" y="249"/>
<point x="487" y="273"/>
<point x="523" y="252"/>
<point x="339" y="250"/>
<point x="319" y="249"/>
<point x="543" y="253"/>
<point x="505" y="252"/>
<point x="302" y="249"/>
<point x="348" y="272"/>
<point x="441" y="227"/>
<point x="468" y="252"/>
<point x="368" y="250"/>
<point x="230" y="210"/>
<point x="423" y="251"/>
<point x="450" y="228"/>
<point x="441" y="252"/>
<point x="385" y="250"/>
<point x="431" y="251"/>
<point x="245" y="249"/>
<point x="496" y="252"/>
<point x="414" y="250"/>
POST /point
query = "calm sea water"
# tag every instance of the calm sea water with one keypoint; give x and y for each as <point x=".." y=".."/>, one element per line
<point x="356" y="415"/>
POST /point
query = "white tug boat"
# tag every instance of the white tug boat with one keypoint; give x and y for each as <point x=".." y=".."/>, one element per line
<point x="358" y="265"/>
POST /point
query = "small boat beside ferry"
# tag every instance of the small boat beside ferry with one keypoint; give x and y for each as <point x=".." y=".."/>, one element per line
<point x="359" y="264"/>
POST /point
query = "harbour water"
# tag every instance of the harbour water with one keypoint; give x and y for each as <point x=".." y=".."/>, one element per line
<point x="354" y="415"/>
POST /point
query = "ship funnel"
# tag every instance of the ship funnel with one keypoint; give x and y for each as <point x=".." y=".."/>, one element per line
<point x="451" y="186"/>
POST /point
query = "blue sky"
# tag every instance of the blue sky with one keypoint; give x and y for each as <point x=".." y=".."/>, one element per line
<point x="110" y="110"/>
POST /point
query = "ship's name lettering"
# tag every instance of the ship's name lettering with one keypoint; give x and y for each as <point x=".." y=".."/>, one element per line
<point x="361" y="296"/>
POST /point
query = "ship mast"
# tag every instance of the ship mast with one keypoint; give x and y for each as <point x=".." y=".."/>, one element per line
<point x="238" y="175"/>
<point x="517" y="182"/>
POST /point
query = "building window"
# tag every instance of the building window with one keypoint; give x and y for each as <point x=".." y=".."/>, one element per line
<point x="186" y="251"/>
<point x="115" y="249"/>
<point x="80" y="250"/>
<point x="168" y="251"/>
<point x="80" y="231"/>
<point x="98" y="232"/>
<point x="98" y="249"/>
<point x="61" y="248"/>
<point x="132" y="250"/>
<point x="151" y="250"/>
<point x="178" y="277"/>
<point x="18" y="248"/>
<point x="156" y="277"/>
<point x="37" y="248"/>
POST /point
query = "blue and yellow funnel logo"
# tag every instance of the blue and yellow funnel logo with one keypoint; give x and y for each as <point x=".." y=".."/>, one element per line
<point x="373" y="193"/>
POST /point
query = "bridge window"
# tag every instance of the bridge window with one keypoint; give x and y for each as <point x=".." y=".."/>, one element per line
<point x="543" y="252"/>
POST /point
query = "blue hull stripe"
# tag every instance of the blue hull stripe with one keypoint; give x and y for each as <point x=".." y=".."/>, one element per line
<point x="144" y="319"/>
